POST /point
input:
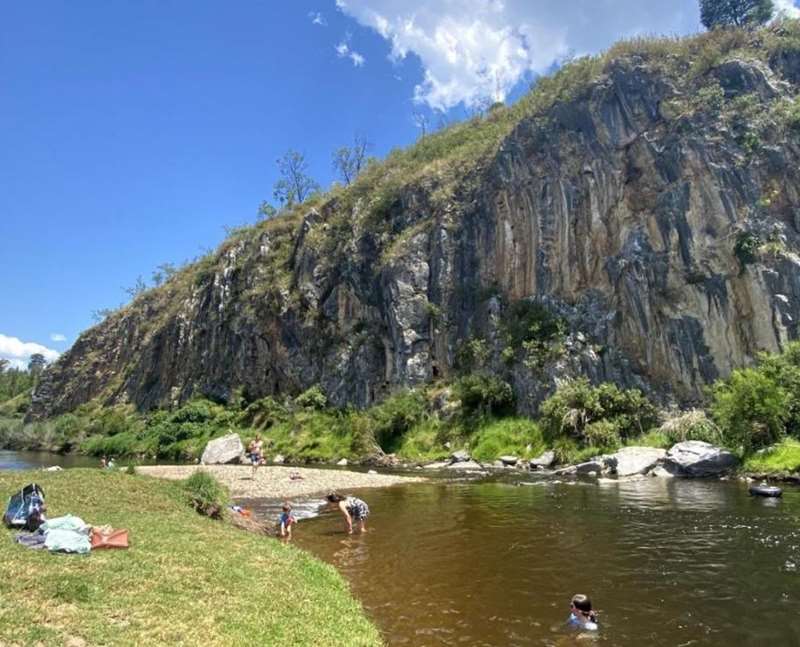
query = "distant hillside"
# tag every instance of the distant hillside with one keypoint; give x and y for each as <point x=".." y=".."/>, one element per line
<point x="635" y="218"/>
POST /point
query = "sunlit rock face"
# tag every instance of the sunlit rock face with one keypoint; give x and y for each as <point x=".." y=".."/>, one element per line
<point x="662" y="232"/>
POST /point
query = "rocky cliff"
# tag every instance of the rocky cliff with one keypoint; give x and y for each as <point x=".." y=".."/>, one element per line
<point x="644" y="204"/>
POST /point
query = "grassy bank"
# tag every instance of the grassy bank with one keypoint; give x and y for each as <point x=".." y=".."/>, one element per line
<point x="782" y="458"/>
<point x="186" y="580"/>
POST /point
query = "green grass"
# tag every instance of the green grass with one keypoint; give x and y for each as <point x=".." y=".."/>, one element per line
<point x="518" y="437"/>
<point x="186" y="580"/>
<point x="781" y="458"/>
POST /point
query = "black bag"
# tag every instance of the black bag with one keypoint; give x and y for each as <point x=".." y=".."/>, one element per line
<point x="26" y="508"/>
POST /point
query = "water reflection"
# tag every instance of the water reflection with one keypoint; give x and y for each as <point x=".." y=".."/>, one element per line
<point x="667" y="562"/>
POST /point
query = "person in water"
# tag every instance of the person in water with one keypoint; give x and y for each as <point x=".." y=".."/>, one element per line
<point x="352" y="509"/>
<point x="581" y="614"/>
<point x="287" y="520"/>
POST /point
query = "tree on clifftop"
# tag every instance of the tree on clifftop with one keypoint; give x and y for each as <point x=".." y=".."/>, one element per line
<point x="295" y="184"/>
<point x="349" y="161"/>
<point x="36" y="364"/>
<point x="735" y="13"/>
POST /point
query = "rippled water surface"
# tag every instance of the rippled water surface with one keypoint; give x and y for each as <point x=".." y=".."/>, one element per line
<point x="667" y="562"/>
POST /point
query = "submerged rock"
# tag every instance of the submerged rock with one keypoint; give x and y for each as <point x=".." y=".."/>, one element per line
<point x="220" y="451"/>
<point x="438" y="465"/>
<point x="698" y="458"/>
<point x="634" y="460"/>
<point x="465" y="465"/>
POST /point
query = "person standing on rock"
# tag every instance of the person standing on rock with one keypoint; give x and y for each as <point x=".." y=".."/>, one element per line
<point x="256" y="448"/>
<point x="352" y="508"/>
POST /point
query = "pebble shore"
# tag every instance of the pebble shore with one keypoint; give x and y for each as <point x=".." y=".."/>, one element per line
<point x="275" y="482"/>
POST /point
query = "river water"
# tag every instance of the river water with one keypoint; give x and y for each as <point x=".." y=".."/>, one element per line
<point x="12" y="460"/>
<point x="666" y="562"/>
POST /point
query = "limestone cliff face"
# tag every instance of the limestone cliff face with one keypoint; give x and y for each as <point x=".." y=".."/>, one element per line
<point x="655" y="212"/>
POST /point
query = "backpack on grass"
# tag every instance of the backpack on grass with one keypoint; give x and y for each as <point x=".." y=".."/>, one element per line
<point x="25" y="509"/>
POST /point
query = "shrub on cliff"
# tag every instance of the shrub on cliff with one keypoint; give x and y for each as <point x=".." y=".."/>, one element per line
<point x="484" y="395"/>
<point x="395" y="416"/>
<point x="600" y="416"/>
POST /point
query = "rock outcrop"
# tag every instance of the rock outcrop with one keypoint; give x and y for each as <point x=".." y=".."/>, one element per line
<point x="651" y="207"/>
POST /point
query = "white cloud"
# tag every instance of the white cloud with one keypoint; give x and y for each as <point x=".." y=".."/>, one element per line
<point x="473" y="49"/>
<point x="18" y="352"/>
<point x="57" y="336"/>
<point x="343" y="50"/>
<point x="786" y="8"/>
<point x="317" y="18"/>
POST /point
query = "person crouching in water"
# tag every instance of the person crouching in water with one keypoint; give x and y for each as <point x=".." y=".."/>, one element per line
<point x="352" y="509"/>
<point x="287" y="521"/>
<point x="581" y="615"/>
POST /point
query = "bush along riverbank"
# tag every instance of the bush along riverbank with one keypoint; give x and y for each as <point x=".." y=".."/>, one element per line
<point x="186" y="579"/>
<point x="755" y="409"/>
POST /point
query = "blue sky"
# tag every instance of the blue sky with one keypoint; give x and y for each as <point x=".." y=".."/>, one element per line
<point x="134" y="132"/>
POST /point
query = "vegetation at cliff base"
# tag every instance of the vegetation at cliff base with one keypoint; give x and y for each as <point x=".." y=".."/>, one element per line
<point x="185" y="580"/>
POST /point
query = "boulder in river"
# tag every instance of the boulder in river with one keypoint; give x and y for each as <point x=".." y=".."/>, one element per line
<point x="465" y="465"/>
<point x="594" y="466"/>
<point x="509" y="460"/>
<point x="438" y="465"/>
<point x="698" y="458"/>
<point x="544" y="460"/>
<point x="634" y="460"/>
<point x="220" y="451"/>
<point x="461" y="456"/>
<point x="342" y="462"/>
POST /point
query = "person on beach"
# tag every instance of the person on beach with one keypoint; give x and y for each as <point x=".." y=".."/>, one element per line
<point x="256" y="448"/>
<point x="352" y="509"/>
<point x="581" y="615"/>
<point x="287" y="520"/>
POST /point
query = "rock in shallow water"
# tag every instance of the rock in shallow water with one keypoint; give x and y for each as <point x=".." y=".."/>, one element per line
<point x="634" y="460"/>
<point x="461" y="456"/>
<point x="221" y="451"/>
<point x="465" y="465"/>
<point x="698" y="458"/>
<point x="508" y="460"/>
<point x="544" y="460"/>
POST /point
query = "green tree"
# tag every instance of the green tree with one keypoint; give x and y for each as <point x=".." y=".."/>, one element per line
<point x="349" y="161"/>
<point x="137" y="288"/>
<point x="164" y="272"/>
<point x="295" y="184"/>
<point x="266" y="211"/>
<point x="735" y="13"/>
<point x="3" y="365"/>
<point x="36" y="364"/>
<point x="751" y="408"/>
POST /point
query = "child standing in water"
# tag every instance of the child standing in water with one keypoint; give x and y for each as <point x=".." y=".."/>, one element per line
<point x="352" y="509"/>
<point x="287" y="520"/>
<point x="581" y="615"/>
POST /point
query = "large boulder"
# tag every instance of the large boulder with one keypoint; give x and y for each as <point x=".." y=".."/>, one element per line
<point x="594" y="466"/>
<point x="220" y="451"/>
<point x="629" y="461"/>
<point x="508" y="460"/>
<point x="544" y="460"/>
<point x="698" y="458"/>
<point x="461" y="456"/>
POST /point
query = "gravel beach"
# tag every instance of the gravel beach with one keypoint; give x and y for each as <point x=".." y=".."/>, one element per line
<point x="273" y="481"/>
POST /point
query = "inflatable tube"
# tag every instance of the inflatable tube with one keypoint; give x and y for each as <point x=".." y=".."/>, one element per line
<point x="765" y="490"/>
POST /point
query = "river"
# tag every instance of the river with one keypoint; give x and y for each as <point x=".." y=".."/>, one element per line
<point x="666" y="562"/>
<point x="491" y="563"/>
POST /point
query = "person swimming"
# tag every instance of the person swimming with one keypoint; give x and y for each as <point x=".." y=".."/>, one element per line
<point x="581" y="614"/>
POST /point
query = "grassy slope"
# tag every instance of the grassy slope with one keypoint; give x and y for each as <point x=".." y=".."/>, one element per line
<point x="782" y="458"/>
<point x="185" y="580"/>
